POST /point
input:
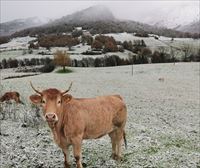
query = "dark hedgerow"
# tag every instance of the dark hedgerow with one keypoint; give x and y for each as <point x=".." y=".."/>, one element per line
<point x="47" y="68"/>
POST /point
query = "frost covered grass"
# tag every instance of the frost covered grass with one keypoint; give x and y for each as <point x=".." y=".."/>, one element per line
<point x="163" y="117"/>
<point x="153" y="43"/>
<point x="17" y="43"/>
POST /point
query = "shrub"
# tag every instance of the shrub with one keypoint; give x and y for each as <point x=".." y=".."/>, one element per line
<point x="121" y="49"/>
<point x="97" y="45"/>
<point x="12" y="63"/>
<point x="156" y="58"/>
<point x="57" y="41"/>
<point x="4" y="64"/>
<point x="98" y="62"/>
<point x="110" y="47"/>
<point x="21" y="63"/>
<point x="27" y="62"/>
<point x="4" y="39"/>
<point x="146" y="52"/>
<point x="47" y="68"/>
<point x="33" y="61"/>
<point x="103" y="39"/>
<point x="30" y="51"/>
<point x="87" y="39"/>
<point x="127" y="45"/>
<point x="77" y="33"/>
<point x="139" y="43"/>
<point x="142" y="34"/>
<point x="33" y="46"/>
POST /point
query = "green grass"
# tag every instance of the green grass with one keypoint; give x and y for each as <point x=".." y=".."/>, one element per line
<point x="64" y="71"/>
<point x="152" y="150"/>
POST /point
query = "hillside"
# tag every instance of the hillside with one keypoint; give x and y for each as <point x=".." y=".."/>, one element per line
<point x="10" y="27"/>
<point x="91" y="14"/>
<point x="96" y="19"/>
<point x="193" y="27"/>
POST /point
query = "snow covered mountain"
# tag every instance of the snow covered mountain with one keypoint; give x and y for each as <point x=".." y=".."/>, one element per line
<point x="7" y="28"/>
<point x="193" y="27"/>
<point x="173" y="17"/>
<point x="99" y="19"/>
<point x="91" y="14"/>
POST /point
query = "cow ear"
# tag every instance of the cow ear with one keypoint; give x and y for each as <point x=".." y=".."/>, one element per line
<point x="35" y="99"/>
<point x="67" y="98"/>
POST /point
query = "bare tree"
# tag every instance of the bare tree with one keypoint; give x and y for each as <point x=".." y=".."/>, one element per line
<point x="187" y="49"/>
<point x="62" y="58"/>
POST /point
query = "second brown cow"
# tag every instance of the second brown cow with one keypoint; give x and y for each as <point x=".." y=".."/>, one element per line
<point x="11" y="96"/>
<point x="74" y="119"/>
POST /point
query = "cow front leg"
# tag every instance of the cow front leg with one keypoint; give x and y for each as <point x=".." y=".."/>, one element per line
<point x="66" y="158"/>
<point x="77" y="152"/>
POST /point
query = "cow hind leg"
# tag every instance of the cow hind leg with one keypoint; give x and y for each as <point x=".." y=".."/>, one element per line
<point x="117" y="139"/>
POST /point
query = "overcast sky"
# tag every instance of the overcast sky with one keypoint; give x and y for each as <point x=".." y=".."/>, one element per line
<point x="133" y="10"/>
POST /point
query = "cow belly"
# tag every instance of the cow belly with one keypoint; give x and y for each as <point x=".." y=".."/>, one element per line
<point x="94" y="134"/>
<point x="98" y="127"/>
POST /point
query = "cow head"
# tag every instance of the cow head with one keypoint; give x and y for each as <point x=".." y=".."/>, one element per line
<point x="52" y="101"/>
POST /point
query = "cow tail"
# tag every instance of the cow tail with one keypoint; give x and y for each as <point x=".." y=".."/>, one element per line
<point x="124" y="136"/>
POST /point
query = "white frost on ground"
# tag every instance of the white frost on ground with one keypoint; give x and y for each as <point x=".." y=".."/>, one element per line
<point x="151" y="42"/>
<point x="163" y="117"/>
<point x="17" y="43"/>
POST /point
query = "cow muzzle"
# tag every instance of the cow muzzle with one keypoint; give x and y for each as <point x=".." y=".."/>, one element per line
<point x="51" y="117"/>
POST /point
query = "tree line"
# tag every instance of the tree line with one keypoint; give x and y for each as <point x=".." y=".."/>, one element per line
<point x="107" y="60"/>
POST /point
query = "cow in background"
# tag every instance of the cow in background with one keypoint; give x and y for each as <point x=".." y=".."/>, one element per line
<point x="11" y="96"/>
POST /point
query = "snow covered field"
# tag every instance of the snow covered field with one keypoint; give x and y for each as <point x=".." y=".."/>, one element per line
<point x="153" y="43"/>
<point x="163" y="117"/>
<point x="17" y="43"/>
<point x="18" y="47"/>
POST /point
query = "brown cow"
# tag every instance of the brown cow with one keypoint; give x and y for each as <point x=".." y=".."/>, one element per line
<point x="74" y="119"/>
<point x="11" y="96"/>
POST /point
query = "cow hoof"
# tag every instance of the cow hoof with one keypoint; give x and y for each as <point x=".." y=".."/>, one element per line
<point x="116" y="157"/>
<point x="113" y="156"/>
<point x="84" y="164"/>
<point x="79" y="166"/>
<point x="67" y="165"/>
